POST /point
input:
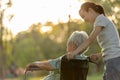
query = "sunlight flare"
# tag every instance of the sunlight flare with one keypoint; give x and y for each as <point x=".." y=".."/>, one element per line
<point x="28" y="12"/>
<point x="46" y="29"/>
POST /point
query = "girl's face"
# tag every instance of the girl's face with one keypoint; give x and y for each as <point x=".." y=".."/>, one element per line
<point x="88" y="16"/>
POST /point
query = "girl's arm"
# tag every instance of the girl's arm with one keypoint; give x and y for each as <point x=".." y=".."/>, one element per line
<point x="85" y="44"/>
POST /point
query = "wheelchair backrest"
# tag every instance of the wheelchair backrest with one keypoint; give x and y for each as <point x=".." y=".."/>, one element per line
<point x="74" y="69"/>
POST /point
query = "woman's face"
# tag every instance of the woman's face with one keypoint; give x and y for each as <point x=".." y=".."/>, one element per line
<point x="71" y="47"/>
<point x="88" y="16"/>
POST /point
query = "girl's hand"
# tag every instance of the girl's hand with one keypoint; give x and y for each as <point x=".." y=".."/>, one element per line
<point x="70" y="55"/>
<point x="94" y="57"/>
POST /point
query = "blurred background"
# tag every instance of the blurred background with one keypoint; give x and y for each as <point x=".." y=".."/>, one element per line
<point x="32" y="30"/>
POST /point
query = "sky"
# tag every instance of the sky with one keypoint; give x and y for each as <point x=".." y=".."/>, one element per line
<point x="27" y="12"/>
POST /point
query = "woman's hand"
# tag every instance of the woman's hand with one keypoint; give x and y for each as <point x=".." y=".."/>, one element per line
<point x="28" y="68"/>
<point x="32" y="66"/>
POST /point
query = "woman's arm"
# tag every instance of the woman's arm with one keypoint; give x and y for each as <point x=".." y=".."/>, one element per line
<point x="85" y="44"/>
<point x="39" y="65"/>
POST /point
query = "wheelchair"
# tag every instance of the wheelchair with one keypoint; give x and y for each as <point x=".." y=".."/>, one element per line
<point x="74" y="69"/>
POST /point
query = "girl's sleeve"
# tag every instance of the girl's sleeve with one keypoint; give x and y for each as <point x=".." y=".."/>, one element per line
<point x="101" y="21"/>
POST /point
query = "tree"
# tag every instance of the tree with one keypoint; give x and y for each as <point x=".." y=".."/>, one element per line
<point x="2" y="49"/>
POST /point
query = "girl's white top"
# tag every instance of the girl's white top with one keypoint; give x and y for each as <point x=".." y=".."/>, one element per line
<point x="108" y="38"/>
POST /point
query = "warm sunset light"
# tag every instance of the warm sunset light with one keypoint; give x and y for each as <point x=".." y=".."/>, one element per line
<point x="45" y="29"/>
<point x="27" y="12"/>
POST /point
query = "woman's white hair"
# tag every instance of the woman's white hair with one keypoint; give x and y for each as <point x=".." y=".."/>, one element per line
<point x="77" y="37"/>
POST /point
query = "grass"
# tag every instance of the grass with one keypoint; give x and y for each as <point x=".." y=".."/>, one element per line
<point x="94" y="77"/>
<point x="90" y="77"/>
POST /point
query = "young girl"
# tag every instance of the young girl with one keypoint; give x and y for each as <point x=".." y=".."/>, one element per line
<point x="107" y="37"/>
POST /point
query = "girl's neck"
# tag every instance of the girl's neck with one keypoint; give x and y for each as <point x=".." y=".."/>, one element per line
<point x="96" y="15"/>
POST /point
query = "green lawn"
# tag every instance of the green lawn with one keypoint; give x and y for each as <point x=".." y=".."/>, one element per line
<point x="94" y="77"/>
<point x="90" y="77"/>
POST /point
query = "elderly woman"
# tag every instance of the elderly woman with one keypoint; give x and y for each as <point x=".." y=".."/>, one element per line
<point x="53" y="65"/>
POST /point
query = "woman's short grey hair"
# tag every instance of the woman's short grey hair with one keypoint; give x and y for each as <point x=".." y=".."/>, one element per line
<point x="77" y="37"/>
